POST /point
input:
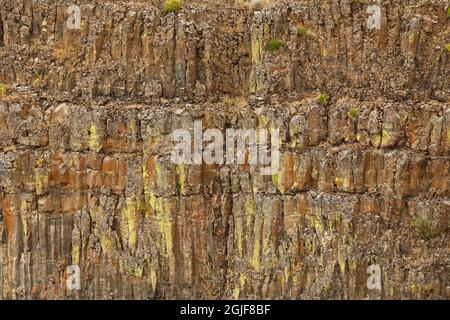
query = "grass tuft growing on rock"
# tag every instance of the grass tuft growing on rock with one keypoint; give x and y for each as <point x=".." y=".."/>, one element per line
<point x="273" y="45"/>
<point x="448" y="12"/>
<point x="172" y="5"/>
<point x="353" y="113"/>
<point x="322" y="99"/>
<point x="425" y="229"/>
<point x="447" y="47"/>
<point x="303" y="31"/>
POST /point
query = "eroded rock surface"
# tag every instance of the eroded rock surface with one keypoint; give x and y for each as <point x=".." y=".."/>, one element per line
<point x="86" y="118"/>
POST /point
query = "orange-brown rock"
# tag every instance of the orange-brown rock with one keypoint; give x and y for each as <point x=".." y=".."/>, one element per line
<point x="86" y="176"/>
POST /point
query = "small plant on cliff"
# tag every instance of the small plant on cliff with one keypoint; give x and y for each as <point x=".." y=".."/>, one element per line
<point x="322" y="99"/>
<point x="448" y="12"/>
<point x="172" y="5"/>
<point x="353" y="113"/>
<point x="303" y="31"/>
<point x="425" y="229"/>
<point x="3" y="89"/>
<point x="447" y="47"/>
<point x="273" y="45"/>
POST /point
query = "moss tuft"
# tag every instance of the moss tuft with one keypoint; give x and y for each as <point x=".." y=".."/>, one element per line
<point x="303" y="31"/>
<point x="424" y="228"/>
<point x="273" y="45"/>
<point x="353" y="113"/>
<point x="322" y="99"/>
<point x="172" y="5"/>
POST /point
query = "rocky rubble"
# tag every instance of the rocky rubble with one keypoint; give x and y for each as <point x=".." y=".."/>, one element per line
<point x="86" y="122"/>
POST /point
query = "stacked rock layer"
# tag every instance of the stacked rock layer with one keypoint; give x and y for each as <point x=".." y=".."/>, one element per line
<point x="86" y="176"/>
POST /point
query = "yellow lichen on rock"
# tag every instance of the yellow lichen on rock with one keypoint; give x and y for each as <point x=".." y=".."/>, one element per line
<point x="94" y="141"/>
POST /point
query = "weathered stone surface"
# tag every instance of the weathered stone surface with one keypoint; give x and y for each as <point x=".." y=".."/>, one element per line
<point x="221" y="232"/>
<point x="86" y="129"/>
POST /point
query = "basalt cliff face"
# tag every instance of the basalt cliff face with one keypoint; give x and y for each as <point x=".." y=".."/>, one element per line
<point x="86" y="177"/>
